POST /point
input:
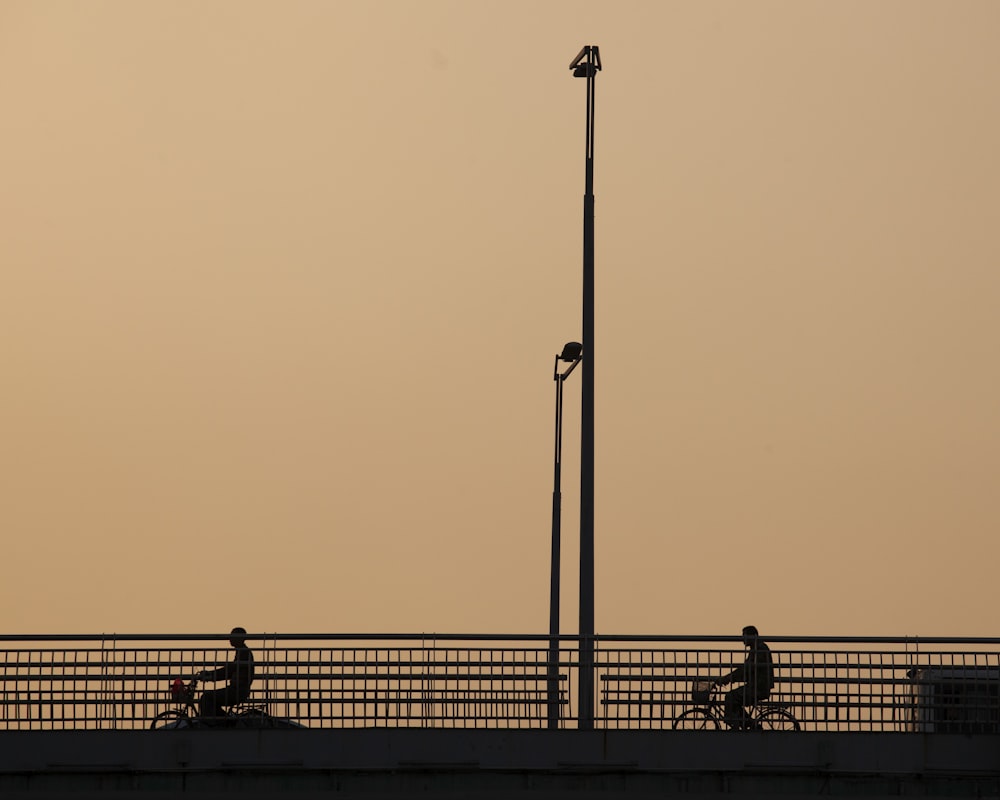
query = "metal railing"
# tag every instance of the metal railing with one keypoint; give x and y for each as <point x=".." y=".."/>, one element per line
<point x="479" y="681"/>
<point x="826" y="683"/>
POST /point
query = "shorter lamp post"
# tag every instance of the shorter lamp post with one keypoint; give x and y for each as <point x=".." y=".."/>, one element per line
<point x="572" y="354"/>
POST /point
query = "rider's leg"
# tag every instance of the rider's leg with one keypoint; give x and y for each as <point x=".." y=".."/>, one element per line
<point x="233" y="696"/>
<point x="210" y="707"/>
<point x="733" y="705"/>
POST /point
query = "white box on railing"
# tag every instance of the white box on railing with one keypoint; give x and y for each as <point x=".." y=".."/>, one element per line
<point x="956" y="699"/>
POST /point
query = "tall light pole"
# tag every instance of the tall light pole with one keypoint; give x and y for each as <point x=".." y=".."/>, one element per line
<point x="586" y="65"/>
<point x="571" y="354"/>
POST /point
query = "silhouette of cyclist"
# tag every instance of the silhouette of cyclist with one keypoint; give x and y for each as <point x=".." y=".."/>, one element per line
<point x="239" y="673"/>
<point x="756" y="678"/>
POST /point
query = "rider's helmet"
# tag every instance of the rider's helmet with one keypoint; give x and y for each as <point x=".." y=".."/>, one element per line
<point x="177" y="689"/>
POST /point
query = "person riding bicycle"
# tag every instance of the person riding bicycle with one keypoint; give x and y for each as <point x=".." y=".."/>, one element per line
<point x="239" y="672"/>
<point x="756" y="677"/>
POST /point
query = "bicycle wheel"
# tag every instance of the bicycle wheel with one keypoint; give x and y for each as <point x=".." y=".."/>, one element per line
<point x="777" y="719"/>
<point x="696" y="719"/>
<point x="166" y="720"/>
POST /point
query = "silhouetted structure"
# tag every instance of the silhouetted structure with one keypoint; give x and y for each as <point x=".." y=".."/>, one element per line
<point x="756" y="678"/>
<point x="586" y="65"/>
<point x="239" y="673"/>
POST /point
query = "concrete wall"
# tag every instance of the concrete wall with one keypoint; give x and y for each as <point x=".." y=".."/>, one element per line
<point x="384" y="763"/>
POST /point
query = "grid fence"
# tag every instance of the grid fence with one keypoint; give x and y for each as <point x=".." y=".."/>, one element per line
<point x="479" y="681"/>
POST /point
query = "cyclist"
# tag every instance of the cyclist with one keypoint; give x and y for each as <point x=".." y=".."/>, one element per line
<point x="755" y="676"/>
<point x="239" y="673"/>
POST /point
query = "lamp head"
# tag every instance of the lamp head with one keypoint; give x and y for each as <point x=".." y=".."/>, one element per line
<point x="571" y="351"/>
<point x="587" y="62"/>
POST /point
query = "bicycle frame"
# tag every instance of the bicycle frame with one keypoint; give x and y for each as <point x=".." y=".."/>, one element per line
<point x="243" y="715"/>
<point x="710" y="714"/>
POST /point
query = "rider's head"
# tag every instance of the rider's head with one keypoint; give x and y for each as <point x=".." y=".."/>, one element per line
<point x="237" y="636"/>
<point x="750" y="635"/>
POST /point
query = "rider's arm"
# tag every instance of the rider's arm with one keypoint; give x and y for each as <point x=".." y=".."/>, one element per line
<point x="227" y="672"/>
<point x="214" y="674"/>
<point x="738" y="674"/>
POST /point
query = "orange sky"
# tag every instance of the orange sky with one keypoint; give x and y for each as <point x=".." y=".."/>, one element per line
<point x="281" y="284"/>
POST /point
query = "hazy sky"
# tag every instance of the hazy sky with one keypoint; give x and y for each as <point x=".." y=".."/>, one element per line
<point x="281" y="284"/>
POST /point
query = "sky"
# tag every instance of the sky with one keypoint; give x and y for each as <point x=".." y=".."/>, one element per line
<point x="281" y="284"/>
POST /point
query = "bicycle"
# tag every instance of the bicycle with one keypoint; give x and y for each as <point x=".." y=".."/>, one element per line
<point x="186" y="714"/>
<point x="708" y="713"/>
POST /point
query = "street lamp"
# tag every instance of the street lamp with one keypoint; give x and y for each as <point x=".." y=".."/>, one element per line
<point x="586" y="65"/>
<point x="571" y="354"/>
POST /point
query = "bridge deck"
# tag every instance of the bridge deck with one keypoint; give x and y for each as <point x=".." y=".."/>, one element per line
<point x="496" y="763"/>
